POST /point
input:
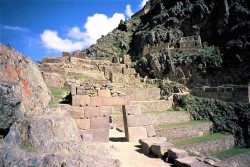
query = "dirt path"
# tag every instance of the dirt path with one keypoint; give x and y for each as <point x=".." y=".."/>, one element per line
<point x="130" y="154"/>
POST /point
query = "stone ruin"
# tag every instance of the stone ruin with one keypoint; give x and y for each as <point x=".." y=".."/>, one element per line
<point x="119" y="71"/>
<point x="91" y="104"/>
<point x="188" y="45"/>
<point x="60" y="71"/>
<point x="233" y="93"/>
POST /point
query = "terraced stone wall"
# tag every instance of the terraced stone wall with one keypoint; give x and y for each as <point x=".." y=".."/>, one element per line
<point x="207" y="148"/>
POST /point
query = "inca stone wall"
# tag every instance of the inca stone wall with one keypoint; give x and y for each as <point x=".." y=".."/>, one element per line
<point x="119" y="71"/>
<point x="212" y="146"/>
<point x="64" y="71"/>
<point x="185" y="132"/>
<point x="91" y="106"/>
<point x="142" y="94"/>
<point x="171" y="117"/>
<point x="225" y="93"/>
<point x="189" y="45"/>
<point x="137" y="125"/>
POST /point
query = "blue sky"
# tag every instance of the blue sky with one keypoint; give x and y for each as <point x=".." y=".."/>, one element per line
<point x="39" y="28"/>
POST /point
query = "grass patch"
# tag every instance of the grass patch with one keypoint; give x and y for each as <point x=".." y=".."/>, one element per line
<point x="151" y="86"/>
<point x="231" y="152"/>
<point x="164" y="111"/>
<point x="57" y="94"/>
<point x="180" y="124"/>
<point x="81" y="77"/>
<point x="175" y="109"/>
<point x="191" y="141"/>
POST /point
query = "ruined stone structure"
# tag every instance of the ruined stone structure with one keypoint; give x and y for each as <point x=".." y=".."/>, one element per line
<point x="188" y="45"/>
<point x="73" y="69"/>
<point x="225" y="93"/>
<point x="119" y="71"/>
<point x="91" y="106"/>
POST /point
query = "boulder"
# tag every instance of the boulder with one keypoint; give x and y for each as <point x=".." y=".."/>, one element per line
<point x="161" y="149"/>
<point x="23" y="72"/>
<point x="147" y="143"/>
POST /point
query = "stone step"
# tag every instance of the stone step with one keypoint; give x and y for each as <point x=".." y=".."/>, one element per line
<point x="142" y="94"/>
<point x="184" y="130"/>
<point x="206" y="145"/>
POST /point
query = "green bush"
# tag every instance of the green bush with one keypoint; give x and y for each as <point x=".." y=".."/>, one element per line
<point x="233" y="118"/>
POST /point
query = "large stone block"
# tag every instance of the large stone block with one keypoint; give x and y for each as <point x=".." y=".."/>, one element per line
<point x="132" y="109"/>
<point x="76" y="112"/>
<point x="104" y="111"/>
<point x="95" y="101"/>
<point x="86" y="135"/>
<point x="147" y="143"/>
<point x="80" y="100"/>
<point x="83" y="124"/>
<point x="133" y="120"/>
<point x="151" y="130"/>
<point x="91" y="112"/>
<point x="136" y="133"/>
<point x="99" y="122"/>
<point x="175" y="153"/>
<point x="114" y="101"/>
<point x="161" y="149"/>
<point x="101" y="135"/>
<point x="146" y="119"/>
<point x="104" y="93"/>
<point x="73" y="90"/>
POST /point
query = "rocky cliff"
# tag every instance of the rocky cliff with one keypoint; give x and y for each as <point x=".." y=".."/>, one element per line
<point x="33" y="134"/>
<point x="224" y="28"/>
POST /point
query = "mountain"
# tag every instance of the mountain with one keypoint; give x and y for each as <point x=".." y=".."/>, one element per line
<point x="164" y="41"/>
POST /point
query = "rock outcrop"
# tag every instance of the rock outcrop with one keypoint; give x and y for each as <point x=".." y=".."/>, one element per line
<point x="35" y="134"/>
<point x="20" y="71"/>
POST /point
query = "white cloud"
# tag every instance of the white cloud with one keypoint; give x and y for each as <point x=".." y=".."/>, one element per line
<point x="96" y="26"/>
<point x="16" y="28"/>
<point x="76" y="33"/>
<point x="52" y="41"/>
<point x="128" y="11"/>
<point x="99" y="24"/>
<point x="143" y="3"/>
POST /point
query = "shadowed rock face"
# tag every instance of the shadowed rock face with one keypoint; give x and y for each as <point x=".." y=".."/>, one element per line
<point x="10" y="99"/>
<point x="21" y="71"/>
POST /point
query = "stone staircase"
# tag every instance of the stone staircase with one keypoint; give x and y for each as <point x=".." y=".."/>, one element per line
<point x="176" y="127"/>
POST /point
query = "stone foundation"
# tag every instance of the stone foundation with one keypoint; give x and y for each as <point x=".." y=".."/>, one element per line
<point x="184" y="132"/>
<point x="212" y="146"/>
<point x="225" y="93"/>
